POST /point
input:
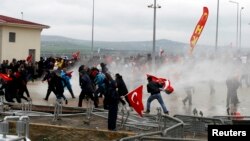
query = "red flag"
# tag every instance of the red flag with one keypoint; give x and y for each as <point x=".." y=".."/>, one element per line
<point x="5" y="77"/>
<point x="168" y="88"/>
<point x="76" y="55"/>
<point x="29" y="58"/>
<point x="157" y="79"/>
<point x="198" y="29"/>
<point x="164" y="82"/>
<point x="135" y="99"/>
<point x="69" y="74"/>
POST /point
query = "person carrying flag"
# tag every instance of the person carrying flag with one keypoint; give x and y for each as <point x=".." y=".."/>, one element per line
<point x="155" y="89"/>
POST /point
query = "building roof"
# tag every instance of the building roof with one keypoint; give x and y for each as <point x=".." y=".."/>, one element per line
<point x="9" y="21"/>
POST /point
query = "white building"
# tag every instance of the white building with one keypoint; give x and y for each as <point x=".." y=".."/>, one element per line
<point x="19" y="39"/>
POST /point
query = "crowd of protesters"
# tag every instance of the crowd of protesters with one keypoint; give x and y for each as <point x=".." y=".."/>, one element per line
<point x="19" y="72"/>
<point x="97" y="83"/>
<point x="185" y="71"/>
<point x="96" y="78"/>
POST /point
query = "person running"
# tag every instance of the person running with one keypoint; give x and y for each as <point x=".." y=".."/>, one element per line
<point x="99" y="81"/>
<point x="22" y="84"/>
<point x="233" y="84"/>
<point x="67" y="78"/>
<point x="87" y="88"/>
<point x="189" y="91"/>
<point x="49" y="77"/>
<point x="211" y="87"/>
<point x="59" y="86"/>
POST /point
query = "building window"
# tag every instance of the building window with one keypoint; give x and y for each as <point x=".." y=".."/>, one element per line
<point x="12" y="37"/>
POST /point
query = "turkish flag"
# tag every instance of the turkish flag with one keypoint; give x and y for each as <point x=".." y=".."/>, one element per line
<point x="5" y="77"/>
<point x="168" y="88"/>
<point x="164" y="82"/>
<point x="135" y="99"/>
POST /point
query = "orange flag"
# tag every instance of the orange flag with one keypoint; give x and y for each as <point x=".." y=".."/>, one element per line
<point x="135" y="99"/>
<point x="198" y="29"/>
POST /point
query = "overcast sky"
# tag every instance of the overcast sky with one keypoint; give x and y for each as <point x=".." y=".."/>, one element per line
<point x="132" y="20"/>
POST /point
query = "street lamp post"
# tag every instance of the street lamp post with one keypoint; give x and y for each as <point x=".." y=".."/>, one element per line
<point x="93" y="20"/>
<point x="237" y="21"/>
<point x="154" y="27"/>
<point x="240" y="27"/>
<point x="217" y="24"/>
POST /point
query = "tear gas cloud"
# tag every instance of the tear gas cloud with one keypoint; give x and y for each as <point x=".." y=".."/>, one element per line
<point x="184" y="70"/>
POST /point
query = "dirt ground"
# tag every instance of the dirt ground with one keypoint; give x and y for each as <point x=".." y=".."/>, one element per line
<point x="78" y="121"/>
<point x="71" y="128"/>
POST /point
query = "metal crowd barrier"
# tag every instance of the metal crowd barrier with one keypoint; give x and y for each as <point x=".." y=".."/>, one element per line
<point x="2" y="103"/>
<point x="89" y="108"/>
<point x="22" y="127"/>
<point x="57" y="109"/>
<point x="27" y="106"/>
<point x="147" y="138"/>
<point x="170" y="127"/>
<point x="198" y="125"/>
<point x="234" y="119"/>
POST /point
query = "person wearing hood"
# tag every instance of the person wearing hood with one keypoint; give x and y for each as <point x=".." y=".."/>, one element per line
<point x="121" y="89"/>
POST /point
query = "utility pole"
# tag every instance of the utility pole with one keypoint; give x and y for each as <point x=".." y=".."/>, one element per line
<point x="237" y="26"/>
<point x="217" y="24"/>
<point x="240" y="28"/>
<point x="154" y="27"/>
<point x="93" y="20"/>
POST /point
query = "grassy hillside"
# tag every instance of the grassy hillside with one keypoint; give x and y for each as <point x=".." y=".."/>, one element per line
<point x="58" y="44"/>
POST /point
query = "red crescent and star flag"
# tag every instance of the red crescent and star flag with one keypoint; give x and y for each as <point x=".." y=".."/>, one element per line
<point x="165" y="83"/>
<point x="135" y="99"/>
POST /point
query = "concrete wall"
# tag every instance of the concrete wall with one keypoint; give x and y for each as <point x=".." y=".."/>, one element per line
<point x="26" y="38"/>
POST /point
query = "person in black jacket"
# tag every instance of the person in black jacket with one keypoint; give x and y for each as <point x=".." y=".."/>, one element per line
<point x="49" y="77"/>
<point x="11" y="88"/>
<point x="154" y="89"/>
<point x="121" y="89"/>
<point x="112" y="98"/>
<point x="59" y="86"/>
<point x="86" y="86"/>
